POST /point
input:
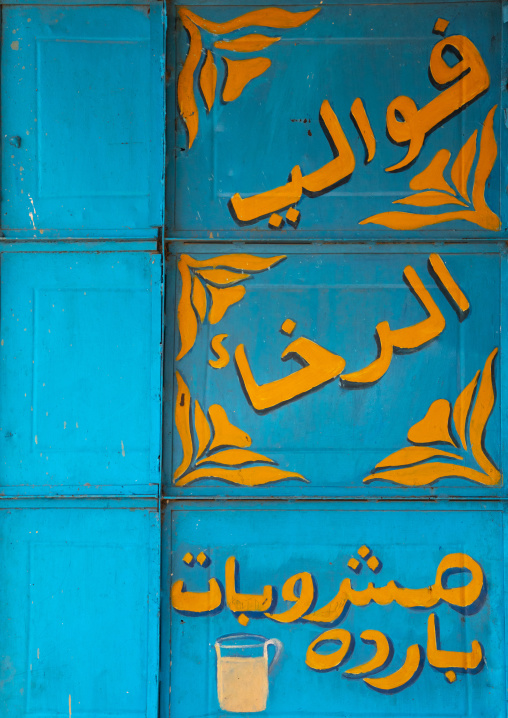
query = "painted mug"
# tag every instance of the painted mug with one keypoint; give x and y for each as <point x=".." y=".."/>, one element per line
<point x="242" y="671"/>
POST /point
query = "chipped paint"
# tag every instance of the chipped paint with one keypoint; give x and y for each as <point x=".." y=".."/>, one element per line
<point x="33" y="213"/>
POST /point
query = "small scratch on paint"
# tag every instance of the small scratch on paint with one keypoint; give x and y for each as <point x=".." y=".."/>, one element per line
<point x="38" y="653"/>
<point x="70" y="706"/>
<point x="123" y="448"/>
<point x="34" y="213"/>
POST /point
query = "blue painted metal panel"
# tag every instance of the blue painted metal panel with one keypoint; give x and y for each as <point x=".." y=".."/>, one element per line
<point x="80" y="372"/>
<point x="80" y="378"/>
<point x="335" y="430"/>
<point x="273" y="543"/>
<point x="79" y="611"/>
<point x="82" y="120"/>
<point x="251" y="139"/>
<point x="80" y="357"/>
<point x="90" y="2"/>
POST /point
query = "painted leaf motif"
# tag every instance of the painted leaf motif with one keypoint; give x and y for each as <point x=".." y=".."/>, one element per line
<point x="239" y="73"/>
<point x="425" y="474"/>
<point x="248" y="43"/>
<point x="418" y="467"/>
<point x="487" y="156"/>
<point x="429" y="199"/>
<point x="185" y="88"/>
<point x="484" y="166"/>
<point x="435" y="425"/>
<point x="242" y="262"/>
<point x="432" y="177"/>
<point x="480" y="414"/>
<point x="227" y="464"/>
<point x="249" y="476"/>
<point x="480" y="214"/>
<point x="221" y="277"/>
<point x="270" y="17"/>
<point x="202" y="427"/>
<point x="266" y="17"/>
<point x="199" y="298"/>
<point x="407" y="220"/>
<point x="223" y="273"/>
<point x="463" y="164"/>
<point x="208" y="80"/>
<point x="414" y="455"/>
<point x="187" y="321"/>
<point x="462" y="408"/>
<point x="235" y="457"/>
<point x="226" y="433"/>
<point x="222" y="299"/>
<point x="182" y="423"/>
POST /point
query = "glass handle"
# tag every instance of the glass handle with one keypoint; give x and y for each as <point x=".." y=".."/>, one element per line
<point x="278" y="650"/>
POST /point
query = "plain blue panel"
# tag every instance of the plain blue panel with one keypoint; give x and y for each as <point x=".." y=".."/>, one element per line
<point x="335" y="435"/>
<point x="82" y="90"/>
<point x="80" y="372"/>
<point x="376" y="52"/>
<point x="273" y="543"/>
<point x="89" y="2"/>
<point x="79" y="610"/>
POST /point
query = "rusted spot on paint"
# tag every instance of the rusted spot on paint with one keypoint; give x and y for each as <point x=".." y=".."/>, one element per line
<point x="7" y="671"/>
<point x="143" y="10"/>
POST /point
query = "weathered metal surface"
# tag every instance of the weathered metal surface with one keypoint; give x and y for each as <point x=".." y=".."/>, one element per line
<point x="351" y="374"/>
<point x="367" y="466"/>
<point x="79" y="609"/>
<point x="82" y="95"/>
<point x="318" y="422"/>
<point x="83" y="90"/>
<point x="362" y="106"/>
<point x="80" y="379"/>
<point x="291" y="561"/>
